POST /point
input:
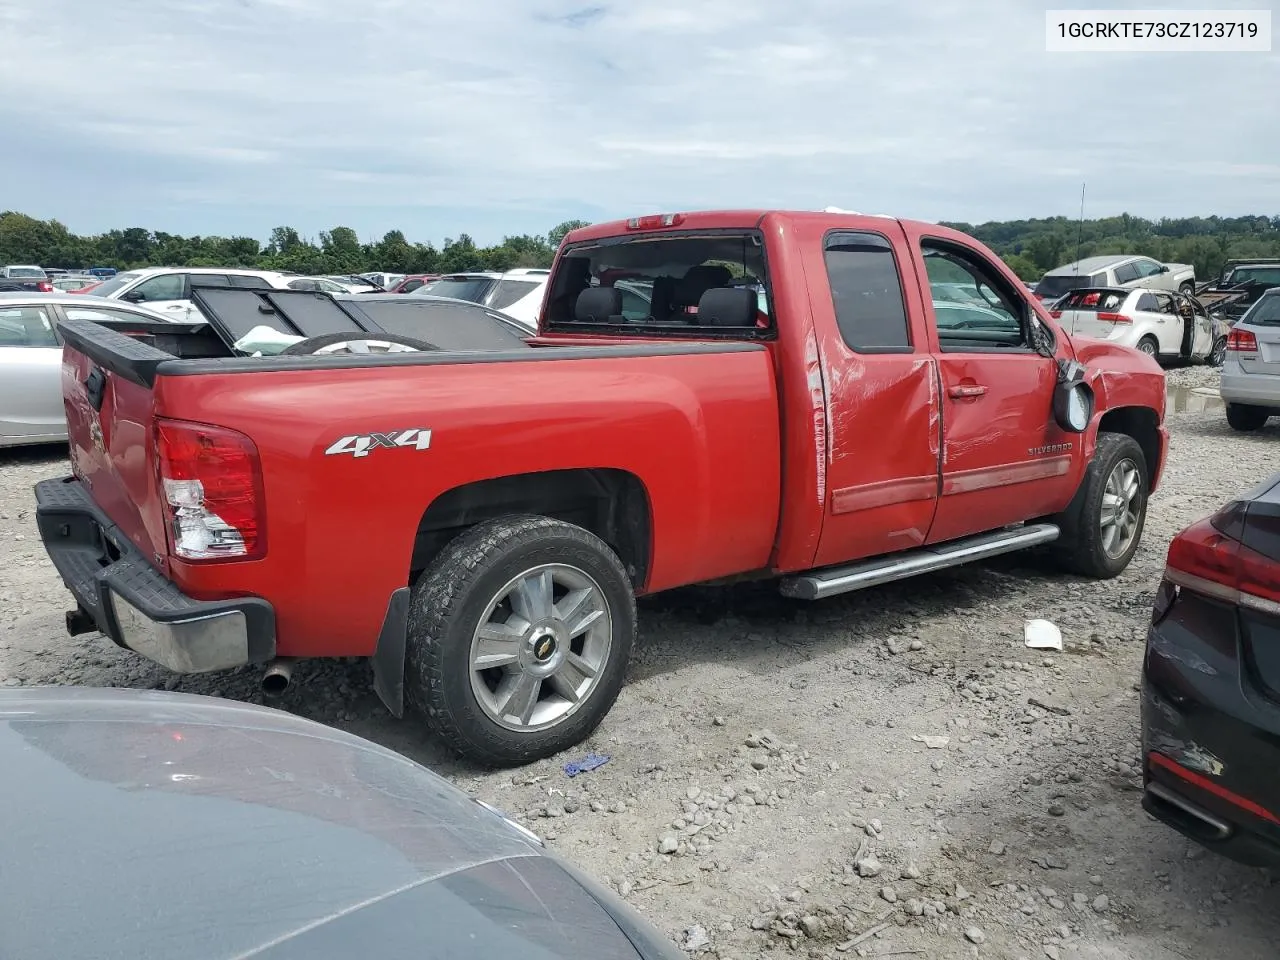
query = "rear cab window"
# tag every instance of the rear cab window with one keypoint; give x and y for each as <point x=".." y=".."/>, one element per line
<point x="866" y="291"/>
<point x="1262" y="275"/>
<point x="711" y="283"/>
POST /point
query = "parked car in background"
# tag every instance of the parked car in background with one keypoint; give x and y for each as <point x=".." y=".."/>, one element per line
<point x="1117" y="270"/>
<point x="168" y="289"/>
<point x="1240" y="284"/>
<point x="74" y="283"/>
<point x="1168" y="326"/>
<point x="1211" y="682"/>
<point x="383" y="280"/>
<point x="517" y="292"/>
<point x="411" y="283"/>
<point x="526" y="492"/>
<point x="103" y="273"/>
<point x="354" y="284"/>
<point x="1250" y="385"/>
<point x="321" y="284"/>
<point x="31" y="359"/>
<point x="24" y="278"/>
<point x="210" y="829"/>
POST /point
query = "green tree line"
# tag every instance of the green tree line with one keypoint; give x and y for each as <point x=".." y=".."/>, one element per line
<point x="1030" y="247"/>
<point x="48" y="243"/>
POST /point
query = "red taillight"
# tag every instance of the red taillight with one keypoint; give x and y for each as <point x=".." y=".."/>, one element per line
<point x="1114" y="318"/>
<point x="655" y="220"/>
<point x="44" y="286"/>
<point x="211" y="481"/>
<point x="1056" y="314"/>
<point x="1204" y="559"/>
<point x="1242" y="340"/>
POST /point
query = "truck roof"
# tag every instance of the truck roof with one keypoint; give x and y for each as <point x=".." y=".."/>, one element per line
<point x="744" y="219"/>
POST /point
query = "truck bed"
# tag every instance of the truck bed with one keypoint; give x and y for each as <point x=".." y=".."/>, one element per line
<point x="692" y="426"/>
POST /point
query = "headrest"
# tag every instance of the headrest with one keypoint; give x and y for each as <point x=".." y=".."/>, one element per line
<point x="697" y="280"/>
<point x="728" y="307"/>
<point x="597" y="305"/>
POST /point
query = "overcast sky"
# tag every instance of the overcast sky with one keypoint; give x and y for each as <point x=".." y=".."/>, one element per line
<point x="510" y="116"/>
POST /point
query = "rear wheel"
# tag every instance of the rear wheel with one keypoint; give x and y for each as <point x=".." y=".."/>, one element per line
<point x="1187" y="287"/>
<point x="1149" y="346"/>
<point x="518" y="641"/>
<point x="1102" y="531"/>
<point x="1218" y="354"/>
<point x="1246" y="418"/>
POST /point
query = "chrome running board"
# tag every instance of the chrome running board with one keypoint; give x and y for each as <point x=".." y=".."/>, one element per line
<point x="871" y="573"/>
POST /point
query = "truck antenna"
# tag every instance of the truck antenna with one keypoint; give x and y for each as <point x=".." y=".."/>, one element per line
<point x="1080" y="229"/>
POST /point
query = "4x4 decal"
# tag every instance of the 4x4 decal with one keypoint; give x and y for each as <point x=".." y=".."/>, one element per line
<point x="360" y="445"/>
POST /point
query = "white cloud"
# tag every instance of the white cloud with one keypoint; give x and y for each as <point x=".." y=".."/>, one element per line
<point x="507" y="115"/>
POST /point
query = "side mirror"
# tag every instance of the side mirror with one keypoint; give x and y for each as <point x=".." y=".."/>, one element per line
<point x="1164" y="268"/>
<point x="134" y="296"/>
<point x="1073" y="399"/>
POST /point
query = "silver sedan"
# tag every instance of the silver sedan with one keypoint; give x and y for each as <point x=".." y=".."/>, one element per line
<point x="31" y="359"/>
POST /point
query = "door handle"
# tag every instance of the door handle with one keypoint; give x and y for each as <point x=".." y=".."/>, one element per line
<point x="966" y="391"/>
<point x="175" y="306"/>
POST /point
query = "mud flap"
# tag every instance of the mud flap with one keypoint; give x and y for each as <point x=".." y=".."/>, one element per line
<point x="388" y="658"/>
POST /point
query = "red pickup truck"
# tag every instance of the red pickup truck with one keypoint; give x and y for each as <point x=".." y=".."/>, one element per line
<point x="832" y="400"/>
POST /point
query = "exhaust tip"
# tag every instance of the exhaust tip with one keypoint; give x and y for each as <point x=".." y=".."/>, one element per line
<point x="278" y="677"/>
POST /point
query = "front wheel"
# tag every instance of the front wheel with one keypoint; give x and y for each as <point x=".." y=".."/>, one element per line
<point x="518" y="640"/>
<point x="1101" y="533"/>
<point x="1187" y="288"/>
<point x="1246" y="418"/>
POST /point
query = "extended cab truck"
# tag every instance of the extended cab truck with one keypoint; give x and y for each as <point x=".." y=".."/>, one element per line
<point x="778" y="395"/>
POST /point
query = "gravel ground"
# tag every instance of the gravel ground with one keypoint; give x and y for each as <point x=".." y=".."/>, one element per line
<point x="885" y="774"/>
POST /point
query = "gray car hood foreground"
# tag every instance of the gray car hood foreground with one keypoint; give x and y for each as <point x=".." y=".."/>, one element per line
<point x="140" y="825"/>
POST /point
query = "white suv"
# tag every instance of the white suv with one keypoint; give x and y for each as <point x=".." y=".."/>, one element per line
<point x="168" y="289"/>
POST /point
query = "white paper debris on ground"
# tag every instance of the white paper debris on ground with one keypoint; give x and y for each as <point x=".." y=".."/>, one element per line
<point x="933" y="743"/>
<point x="1042" y="635"/>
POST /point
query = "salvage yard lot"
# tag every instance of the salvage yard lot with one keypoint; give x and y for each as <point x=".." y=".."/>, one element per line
<point x="779" y="750"/>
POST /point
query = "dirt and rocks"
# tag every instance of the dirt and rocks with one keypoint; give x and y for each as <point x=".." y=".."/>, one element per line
<point x="891" y="773"/>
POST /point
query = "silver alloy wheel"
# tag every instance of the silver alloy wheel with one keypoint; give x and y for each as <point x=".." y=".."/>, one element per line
<point x="1219" y="352"/>
<point x="1147" y="347"/>
<point x="541" y="647"/>
<point x="1121" y="506"/>
<point x="365" y="345"/>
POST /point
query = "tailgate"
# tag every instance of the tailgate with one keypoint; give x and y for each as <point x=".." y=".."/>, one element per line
<point x="106" y="390"/>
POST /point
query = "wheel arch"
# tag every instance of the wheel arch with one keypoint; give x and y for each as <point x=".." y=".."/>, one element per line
<point x="611" y="503"/>
<point x="1141" y="423"/>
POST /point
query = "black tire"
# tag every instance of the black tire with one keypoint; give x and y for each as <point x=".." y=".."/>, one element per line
<point x="1218" y="355"/>
<point x="307" y="347"/>
<point x="1080" y="548"/>
<point x="1247" y="418"/>
<point x="1150" y="347"/>
<point x="446" y="607"/>
<point x="1187" y="287"/>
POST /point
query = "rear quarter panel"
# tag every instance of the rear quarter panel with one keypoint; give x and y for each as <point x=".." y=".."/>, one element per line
<point x="700" y="431"/>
